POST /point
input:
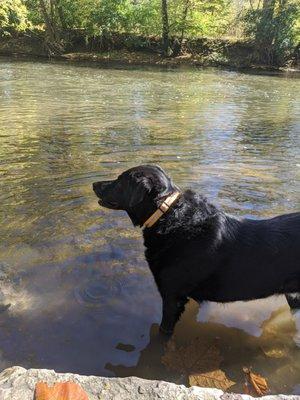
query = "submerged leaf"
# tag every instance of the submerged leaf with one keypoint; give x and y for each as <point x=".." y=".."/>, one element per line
<point x="199" y="361"/>
<point x="197" y="357"/>
<point x="216" y="379"/>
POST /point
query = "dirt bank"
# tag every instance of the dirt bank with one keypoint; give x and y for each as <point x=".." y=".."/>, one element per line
<point x="134" y="50"/>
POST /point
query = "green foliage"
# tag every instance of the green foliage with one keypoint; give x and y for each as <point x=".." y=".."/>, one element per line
<point x="204" y="18"/>
<point x="286" y="34"/>
<point x="13" y="16"/>
<point x="141" y="17"/>
<point x="274" y="30"/>
<point x="33" y="12"/>
<point x="75" y="13"/>
<point x="68" y="14"/>
<point x="145" y="17"/>
<point x="109" y="16"/>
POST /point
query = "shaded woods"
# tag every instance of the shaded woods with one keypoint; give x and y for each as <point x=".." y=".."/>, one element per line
<point x="270" y="27"/>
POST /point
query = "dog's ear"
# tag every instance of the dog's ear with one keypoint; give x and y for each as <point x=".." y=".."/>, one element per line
<point x="142" y="187"/>
<point x="163" y="186"/>
<point x="163" y="190"/>
<point x="159" y="185"/>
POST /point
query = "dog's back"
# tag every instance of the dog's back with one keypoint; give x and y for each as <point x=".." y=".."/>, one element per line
<point x="276" y="238"/>
<point x="261" y="258"/>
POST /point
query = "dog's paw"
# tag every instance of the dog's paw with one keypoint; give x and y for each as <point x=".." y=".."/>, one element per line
<point x="297" y="323"/>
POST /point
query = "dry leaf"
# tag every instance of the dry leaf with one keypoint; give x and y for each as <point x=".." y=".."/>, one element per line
<point x="255" y="384"/>
<point x="59" y="391"/>
<point x="216" y="379"/>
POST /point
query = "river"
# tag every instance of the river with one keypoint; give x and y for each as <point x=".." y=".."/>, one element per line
<point x="75" y="291"/>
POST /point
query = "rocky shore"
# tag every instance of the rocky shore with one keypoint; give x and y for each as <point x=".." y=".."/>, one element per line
<point x="18" y="383"/>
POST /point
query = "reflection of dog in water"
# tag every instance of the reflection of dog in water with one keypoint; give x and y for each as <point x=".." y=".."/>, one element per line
<point x="196" y="251"/>
<point x="273" y="351"/>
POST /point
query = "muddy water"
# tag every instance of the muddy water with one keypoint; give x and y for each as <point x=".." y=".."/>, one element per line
<point x="76" y="294"/>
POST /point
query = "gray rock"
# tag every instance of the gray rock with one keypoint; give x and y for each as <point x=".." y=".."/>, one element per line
<point x="17" y="383"/>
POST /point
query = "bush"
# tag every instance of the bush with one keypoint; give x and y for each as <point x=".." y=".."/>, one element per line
<point x="274" y="31"/>
<point x="13" y="16"/>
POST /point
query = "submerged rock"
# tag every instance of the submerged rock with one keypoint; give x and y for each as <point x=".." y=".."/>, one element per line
<point x="17" y="383"/>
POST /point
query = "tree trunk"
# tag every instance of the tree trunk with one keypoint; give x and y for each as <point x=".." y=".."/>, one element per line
<point x="184" y="17"/>
<point x="60" y="12"/>
<point x="265" y="33"/>
<point x="268" y="9"/>
<point x="165" y="27"/>
<point x="53" y="42"/>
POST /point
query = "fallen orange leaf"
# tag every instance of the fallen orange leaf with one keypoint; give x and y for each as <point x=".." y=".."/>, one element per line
<point x="59" y="391"/>
<point x="216" y="379"/>
<point x="255" y="384"/>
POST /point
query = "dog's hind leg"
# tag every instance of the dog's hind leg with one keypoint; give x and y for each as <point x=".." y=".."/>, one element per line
<point x="172" y="309"/>
<point x="294" y="303"/>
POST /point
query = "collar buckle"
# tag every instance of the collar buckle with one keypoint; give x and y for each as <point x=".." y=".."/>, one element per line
<point x="162" y="209"/>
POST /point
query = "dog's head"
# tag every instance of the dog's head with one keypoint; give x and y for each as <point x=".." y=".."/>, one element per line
<point x="138" y="191"/>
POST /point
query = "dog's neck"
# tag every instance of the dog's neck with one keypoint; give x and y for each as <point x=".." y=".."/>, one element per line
<point x="161" y="210"/>
<point x="150" y="209"/>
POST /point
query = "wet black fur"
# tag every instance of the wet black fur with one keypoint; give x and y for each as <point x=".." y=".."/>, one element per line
<point x="197" y="251"/>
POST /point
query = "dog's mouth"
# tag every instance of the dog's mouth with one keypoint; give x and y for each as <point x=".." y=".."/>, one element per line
<point x="107" y="204"/>
<point x="103" y="201"/>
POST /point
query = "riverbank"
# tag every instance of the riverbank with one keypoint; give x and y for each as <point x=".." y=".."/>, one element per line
<point x="17" y="383"/>
<point x="139" y="51"/>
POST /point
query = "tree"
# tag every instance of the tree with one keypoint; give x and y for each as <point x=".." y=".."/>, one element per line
<point x="184" y="19"/>
<point x="272" y="27"/>
<point x="265" y="31"/>
<point x="165" y="27"/>
<point x="53" y="40"/>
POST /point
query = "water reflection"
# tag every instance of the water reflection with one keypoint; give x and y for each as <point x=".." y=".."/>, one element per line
<point x="77" y="288"/>
<point x="271" y="348"/>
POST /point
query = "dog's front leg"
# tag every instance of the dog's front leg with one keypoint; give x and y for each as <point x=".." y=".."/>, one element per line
<point x="173" y="307"/>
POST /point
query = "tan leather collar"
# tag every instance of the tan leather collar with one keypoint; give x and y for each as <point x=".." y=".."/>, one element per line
<point x="162" y="209"/>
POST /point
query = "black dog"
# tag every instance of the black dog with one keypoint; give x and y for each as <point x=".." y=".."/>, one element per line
<point x="194" y="250"/>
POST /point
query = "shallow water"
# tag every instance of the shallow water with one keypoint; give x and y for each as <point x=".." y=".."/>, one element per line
<point x="76" y="294"/>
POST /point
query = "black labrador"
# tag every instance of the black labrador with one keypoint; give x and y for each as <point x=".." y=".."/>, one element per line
<point x="197" y="251"/>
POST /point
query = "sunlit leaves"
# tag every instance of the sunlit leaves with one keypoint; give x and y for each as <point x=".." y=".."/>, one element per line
<point x="13" y="14"/>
